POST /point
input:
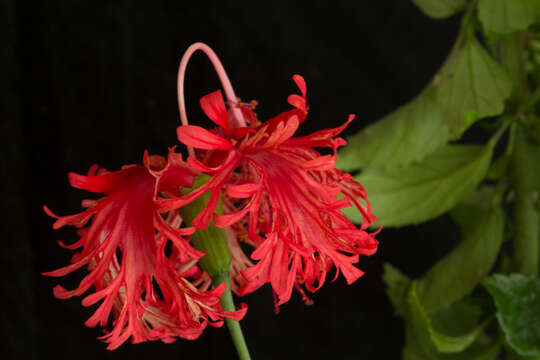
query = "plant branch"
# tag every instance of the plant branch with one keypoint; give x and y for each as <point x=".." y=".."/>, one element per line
<point x="526" y="220"/>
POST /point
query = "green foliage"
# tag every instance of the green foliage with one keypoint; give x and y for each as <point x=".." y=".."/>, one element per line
<point x="440" y="9"/>
<point x="397" y="287"/>
<point x="517" y="298"/>
<point x="419" y="346"/>
<point x="458" y="273"/>
<point x="526" y="164"/>
<point x="462" y="316"/>
<point x="454" y="333"/>
<point x="404" y="136"/>
<point x="506" y="16"/>
<point x="472" y="86"/>
<point x="440" y="322"/>
<point x="499" y="168"/>
<point x="412" y="175"/>
<point x="422" y="191"/>
<point x="469" y="212"/>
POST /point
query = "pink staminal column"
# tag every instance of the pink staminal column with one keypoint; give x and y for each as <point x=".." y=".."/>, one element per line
<point x="237" y="118"/>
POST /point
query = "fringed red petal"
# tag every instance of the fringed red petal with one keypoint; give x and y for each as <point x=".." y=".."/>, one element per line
<point x="199" y="138"/>
<point x="214" y="107"/>
<point x="285" y="199"/>
<point x="123" y="247"/>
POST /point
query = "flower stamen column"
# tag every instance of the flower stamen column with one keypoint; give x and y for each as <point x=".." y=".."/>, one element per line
<point x="238" y="118"/>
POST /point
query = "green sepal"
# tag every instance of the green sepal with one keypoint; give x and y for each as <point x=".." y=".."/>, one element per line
<point x="211" y="240"/>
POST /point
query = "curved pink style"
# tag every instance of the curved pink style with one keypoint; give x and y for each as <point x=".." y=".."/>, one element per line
<point x="238" y="117"/>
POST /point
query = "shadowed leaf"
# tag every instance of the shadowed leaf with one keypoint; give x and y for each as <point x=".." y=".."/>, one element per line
<point x="404" y="136"/>
<point x="517" y="298"/>
<point x="422" y="191"/>
<point x="440" y="9"/>
<point x="472" y="86"/>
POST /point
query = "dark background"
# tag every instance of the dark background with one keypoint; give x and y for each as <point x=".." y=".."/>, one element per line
<point x="95" y="82"/>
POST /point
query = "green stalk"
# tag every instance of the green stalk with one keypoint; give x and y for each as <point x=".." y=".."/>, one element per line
<point x="526" y="220"/>
<point x="234" y="326"/>
<point x="217" y="260"/>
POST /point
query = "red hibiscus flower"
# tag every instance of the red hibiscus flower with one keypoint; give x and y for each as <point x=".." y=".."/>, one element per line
<point x="279" y="194"/>
<point x="124" y="244"/>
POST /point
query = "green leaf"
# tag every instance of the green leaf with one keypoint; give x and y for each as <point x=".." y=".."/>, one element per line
<point x="499" y="168"/>
<point x="459" y="318"/>
<point x="420" y="192"/>
<point x="468" y="213"/>
<point x="510" y="354"/>
<point x="517" y="298"/>
<point x="404" y="136"/>
<point x="422" y="333"/>
<point x="440" y="9"/>
<point x="418" y="346"/>
<point x="458" y="273"/>
<point x="397" y="288"/>
<point x="472" y="86"/>
<point x="506" y="16"/>
<point x="443" y="342"/>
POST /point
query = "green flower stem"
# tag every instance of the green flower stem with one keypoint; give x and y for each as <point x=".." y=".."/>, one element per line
<point x="217" y="260"/>
<point x="234" y="326"/>
<point x="526" y="220"/>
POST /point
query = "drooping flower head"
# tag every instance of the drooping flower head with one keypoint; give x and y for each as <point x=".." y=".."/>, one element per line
<point x="279" y="194"/>
<point x="125" y="241"/>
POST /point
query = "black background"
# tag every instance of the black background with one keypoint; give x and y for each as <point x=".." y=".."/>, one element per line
<point x="95" y="82"/>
